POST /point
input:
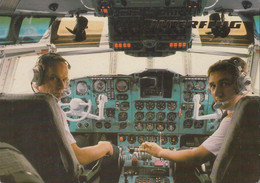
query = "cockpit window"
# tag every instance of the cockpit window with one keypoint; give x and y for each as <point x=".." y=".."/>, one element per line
<point x="33" y="29"/>
<point x="4" y="28"/>
<point x="257" y="23"/>
<point x="93" y="56"/>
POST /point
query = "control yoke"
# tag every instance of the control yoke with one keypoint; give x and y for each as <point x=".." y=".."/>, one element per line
<point x="78" y="106"/>
<point x="196" y="100"/>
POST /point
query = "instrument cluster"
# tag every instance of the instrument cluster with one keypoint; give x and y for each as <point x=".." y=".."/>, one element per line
<point x="191" y="86"/>
<point x="136" y="114"/>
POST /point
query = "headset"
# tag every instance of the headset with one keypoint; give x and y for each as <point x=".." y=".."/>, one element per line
<point x="243" y="81"/>
<point x="39" y="70"/>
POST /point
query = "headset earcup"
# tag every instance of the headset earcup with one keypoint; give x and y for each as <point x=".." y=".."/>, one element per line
<point x="37" y="75"/>
<point x="243" y="83"/>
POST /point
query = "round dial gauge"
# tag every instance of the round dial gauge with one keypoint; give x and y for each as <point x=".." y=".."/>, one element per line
<point x="121" y="86"/>
<point x="107" y="125"/>
<point x="160" y="116"/>
<point x="82" y="88"/>
<point x="188" y="114"/>
<point x="160" y="127"/>
<point x="110" y="112"/>
<point x="99" y="125"/>
<point x="172" y="105"/>
<point x="131" y="139"/>
<point x="99" y="86"/>
<point x="122" y="116"/>
<point x="152" y="139"/>
<point x="161" y="105"/>
<point x="149" y="116"/>
<point x="200" y="85"/>
<point x="124" y="106"/>
<point x="141" y="139"/>
<point x="122" y="125"/>
<point x="198" y="124"/>
<point x="66" y="100"/>
<point x="164" y="140"/>
<point x="149" y="127"/>
<point x="171" y="116"/>
<point x="188" y="85"/>
<point x="139" y="116"/>
<point x="187" y="97"/>
<point x="190" y="106"/>
<point x="188" y="123"/>
<point x="139" y="127"/>
<point x="139" y="105"/>
<point x="174" y="140"/>
<point x="150" y="105"/>
<point x="171" y="127"/>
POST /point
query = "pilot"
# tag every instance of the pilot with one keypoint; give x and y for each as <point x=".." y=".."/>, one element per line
<point x="51" y="76"/>
<point x="228" y="82"/>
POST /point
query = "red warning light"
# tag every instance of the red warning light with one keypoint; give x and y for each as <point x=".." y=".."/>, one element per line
<point x="120" y="45"/>
<point x="171" y="45"/>
<point x="128" y="45"/>
<point x="116" y="45"/>
<point x="121" y="139"/>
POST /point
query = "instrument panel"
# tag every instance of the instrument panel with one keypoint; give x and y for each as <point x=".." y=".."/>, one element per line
<point x="155" y="105"/>
<point x="143" y="105"/>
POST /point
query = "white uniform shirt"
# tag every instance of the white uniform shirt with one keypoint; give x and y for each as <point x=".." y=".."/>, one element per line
<point x="69" y="136"/>
<point x="215" y="141"/>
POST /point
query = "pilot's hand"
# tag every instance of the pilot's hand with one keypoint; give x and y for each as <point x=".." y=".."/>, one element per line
<point x="108" y="146"/>
<point x="151" y="148"/>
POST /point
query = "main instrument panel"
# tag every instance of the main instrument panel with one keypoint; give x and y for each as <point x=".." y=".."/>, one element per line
<point x="154" y="105"/>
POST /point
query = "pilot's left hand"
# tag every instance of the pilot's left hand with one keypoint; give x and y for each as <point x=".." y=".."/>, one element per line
<point x="151" y="148"/>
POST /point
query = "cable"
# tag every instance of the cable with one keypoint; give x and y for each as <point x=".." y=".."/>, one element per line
<point x="86" y="5"/>
<point x="211" y="5"/>
<point x="33" y="89"/>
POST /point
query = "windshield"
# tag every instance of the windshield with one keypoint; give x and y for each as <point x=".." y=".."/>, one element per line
<point x="205" y="51"/>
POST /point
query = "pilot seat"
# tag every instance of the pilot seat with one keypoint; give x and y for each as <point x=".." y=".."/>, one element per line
<point x="31" y="123"/>
<point x="238" y="159"/>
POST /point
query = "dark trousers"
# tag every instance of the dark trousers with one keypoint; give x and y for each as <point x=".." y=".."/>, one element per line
<point x="110" y="167"/>
<point x="185" y="173"/>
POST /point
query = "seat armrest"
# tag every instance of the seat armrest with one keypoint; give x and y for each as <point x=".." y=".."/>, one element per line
<point x="91" y="175"/>
<point x="203" y="176"/>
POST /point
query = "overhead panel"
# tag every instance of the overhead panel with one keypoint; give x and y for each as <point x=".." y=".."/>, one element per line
<point x="150" y="27"/>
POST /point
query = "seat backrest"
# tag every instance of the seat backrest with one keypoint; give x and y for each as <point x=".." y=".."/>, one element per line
<point x="32" y="123"/>
<point x="14" y="167"/>
<point x="238" y="159"/>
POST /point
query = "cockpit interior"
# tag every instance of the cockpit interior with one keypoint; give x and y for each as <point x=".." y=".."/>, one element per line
<point x="139" y="73"/>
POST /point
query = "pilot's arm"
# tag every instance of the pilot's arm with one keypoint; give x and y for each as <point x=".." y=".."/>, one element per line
<point x="195" y="155"/>
<point x="89" y="154"/>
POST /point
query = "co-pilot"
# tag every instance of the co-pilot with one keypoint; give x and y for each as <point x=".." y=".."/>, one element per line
<point x="228" y="82"/>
